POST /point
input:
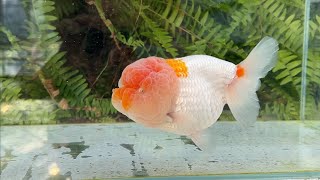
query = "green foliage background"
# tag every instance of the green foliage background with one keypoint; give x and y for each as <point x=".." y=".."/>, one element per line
<point x="224" y="29"/>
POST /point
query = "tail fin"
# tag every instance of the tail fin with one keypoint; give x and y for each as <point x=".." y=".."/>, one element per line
<point x="241" y="93"/>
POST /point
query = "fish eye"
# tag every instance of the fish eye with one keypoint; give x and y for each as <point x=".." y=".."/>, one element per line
<point x="141" y="90"/>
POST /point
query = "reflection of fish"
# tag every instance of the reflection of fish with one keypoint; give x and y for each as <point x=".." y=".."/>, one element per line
<point x="186" y="95"/>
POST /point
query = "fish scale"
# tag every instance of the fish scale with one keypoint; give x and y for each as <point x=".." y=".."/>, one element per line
<point x="201" y="99"/>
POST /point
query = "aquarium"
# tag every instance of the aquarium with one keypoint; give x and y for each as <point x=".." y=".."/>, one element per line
<point x="70" y="76"/>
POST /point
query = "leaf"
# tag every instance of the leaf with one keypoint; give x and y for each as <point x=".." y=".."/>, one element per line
<point x="293" y="64"/>
<point x="296" y="71"/>
<point x="174" y="13"/>
<point x="84" y="94"/>
<point x="43" y="4"/>
<point x="75" y="79"/>
<point x="204" y="18"/>
<point x="318" y="19"/>
<point x="180" y="16"/>
<point x="80" y="89"/>
<point x="197" y="15"/>
<point x="46" y="18"/>
<point x="283" y="74"/>
<point x="286" y="80"/>
<point x="289" y="19"/>
<point x="167" y="10"/>
<point x="279" y="10"/>
<point x="278" y="67"/>
<point x="289" y="58"/>
<point x="44" y="27"/>
<point x="44" y="9"/>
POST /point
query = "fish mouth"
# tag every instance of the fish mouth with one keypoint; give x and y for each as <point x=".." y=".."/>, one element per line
<point x="123" y="96"/>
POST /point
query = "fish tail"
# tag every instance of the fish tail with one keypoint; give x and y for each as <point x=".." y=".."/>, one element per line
<point x="241" y="93"/>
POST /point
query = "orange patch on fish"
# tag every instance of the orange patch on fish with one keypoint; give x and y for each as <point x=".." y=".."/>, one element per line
<point x="178" y="66"/>
<point x="117" y="92"/>
<point x="127" y="97"/>
<point x="240" y="71"/>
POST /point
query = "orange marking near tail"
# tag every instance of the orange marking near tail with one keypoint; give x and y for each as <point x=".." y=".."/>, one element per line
<point x="240" y="71"/>
<point x="178" y="66"/>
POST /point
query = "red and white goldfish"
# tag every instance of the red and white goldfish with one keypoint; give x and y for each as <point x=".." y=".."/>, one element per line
<point x="186" y="95"/>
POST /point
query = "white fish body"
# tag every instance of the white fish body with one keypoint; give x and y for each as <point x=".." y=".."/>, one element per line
<point x="201" y="96"/>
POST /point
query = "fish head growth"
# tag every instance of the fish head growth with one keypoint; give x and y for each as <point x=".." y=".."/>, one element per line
<point x="147" y="90"/>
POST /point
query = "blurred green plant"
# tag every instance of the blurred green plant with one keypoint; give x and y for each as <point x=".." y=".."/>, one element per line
<point x="44" y="67"/>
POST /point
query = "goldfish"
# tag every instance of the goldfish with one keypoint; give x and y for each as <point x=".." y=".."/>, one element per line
<point x="186" y="95"/>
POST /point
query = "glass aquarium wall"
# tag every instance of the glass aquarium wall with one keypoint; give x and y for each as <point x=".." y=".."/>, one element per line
<point x="61" y="59"/>
<point x="311" y="64"/>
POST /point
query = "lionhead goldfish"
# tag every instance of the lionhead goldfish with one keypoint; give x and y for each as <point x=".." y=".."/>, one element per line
<point x="186" y="95"/>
